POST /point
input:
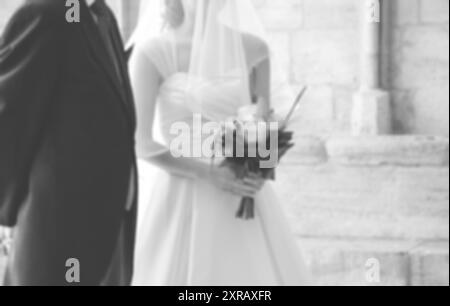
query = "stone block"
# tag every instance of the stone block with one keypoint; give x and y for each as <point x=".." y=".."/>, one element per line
<point x="280" y="43"/>
<point x="331" y="14"/>
<point x="323" y="57"/>
<point x="281" y="15"/>
<point x="430" y="103"/>
<point x="434" y="11"/>
<point x="421" y="57"/>
<point x="405" y="12"/>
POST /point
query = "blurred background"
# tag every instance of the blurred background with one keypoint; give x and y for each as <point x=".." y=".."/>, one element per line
<point x="367" y="187"/>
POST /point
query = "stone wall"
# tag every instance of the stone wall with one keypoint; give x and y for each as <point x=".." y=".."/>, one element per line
<point x="317" y="42"/>
<point x="418" y="65"/>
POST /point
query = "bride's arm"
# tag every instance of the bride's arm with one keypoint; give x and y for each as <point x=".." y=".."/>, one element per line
<point x="146" y="81"/>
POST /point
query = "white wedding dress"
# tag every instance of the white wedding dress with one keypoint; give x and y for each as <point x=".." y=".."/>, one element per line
<point x="188" y="234"/>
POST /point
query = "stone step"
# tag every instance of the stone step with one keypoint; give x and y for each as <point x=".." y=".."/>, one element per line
<point x="385" y="202"/>
<point x="344" y="262"/>
<point x="400" y="151"/>
<point x="406" y="151"/>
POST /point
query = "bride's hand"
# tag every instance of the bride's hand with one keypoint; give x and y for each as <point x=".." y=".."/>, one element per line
<point x="223" y="178"/>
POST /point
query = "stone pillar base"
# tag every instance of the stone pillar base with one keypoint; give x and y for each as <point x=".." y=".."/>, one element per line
<point x="371" y="113"/>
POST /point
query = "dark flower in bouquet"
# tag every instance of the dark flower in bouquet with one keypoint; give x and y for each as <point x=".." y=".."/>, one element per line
<point x="253" y="147"/>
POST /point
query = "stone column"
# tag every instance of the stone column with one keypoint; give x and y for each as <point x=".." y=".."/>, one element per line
<point x="371" y="105"/>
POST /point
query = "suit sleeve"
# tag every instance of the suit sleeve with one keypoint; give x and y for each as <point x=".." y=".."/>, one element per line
<point x="29" y="61"/>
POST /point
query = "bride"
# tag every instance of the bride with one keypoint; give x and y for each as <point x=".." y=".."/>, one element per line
<point x="206" y="57"/>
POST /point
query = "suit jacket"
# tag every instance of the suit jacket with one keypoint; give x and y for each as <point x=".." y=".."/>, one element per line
<point x="66" y="141"/>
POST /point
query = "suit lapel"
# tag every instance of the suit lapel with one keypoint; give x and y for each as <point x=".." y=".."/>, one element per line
<point x="101" y="55"/>
<point x="123" y="65"/>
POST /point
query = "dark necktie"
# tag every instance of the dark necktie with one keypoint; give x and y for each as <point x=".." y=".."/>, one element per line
<point x="105" y="25"/>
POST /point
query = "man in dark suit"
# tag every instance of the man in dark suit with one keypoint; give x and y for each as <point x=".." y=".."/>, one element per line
<point x="68" y="179"/>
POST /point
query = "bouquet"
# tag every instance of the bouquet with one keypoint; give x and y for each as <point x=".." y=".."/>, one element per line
<point x="253" y="148"/>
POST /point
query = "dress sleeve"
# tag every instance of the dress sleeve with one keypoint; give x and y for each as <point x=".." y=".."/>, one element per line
<point x="146" y="79"/>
